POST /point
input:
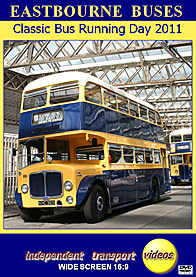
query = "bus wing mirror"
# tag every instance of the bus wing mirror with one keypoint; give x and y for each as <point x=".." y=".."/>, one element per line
<point x="14" y="151"/>
<point x="94" y="142"/>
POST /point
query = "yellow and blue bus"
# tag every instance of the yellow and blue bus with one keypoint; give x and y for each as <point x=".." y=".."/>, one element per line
<point x="181" y="155"/>
<point x="86" y="145"/>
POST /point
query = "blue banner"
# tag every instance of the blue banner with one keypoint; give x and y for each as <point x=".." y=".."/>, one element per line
<point x="31" y="255"/>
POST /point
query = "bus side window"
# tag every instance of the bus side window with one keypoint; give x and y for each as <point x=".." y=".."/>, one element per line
<point x="122" y="104"/>
<point x="177" y="138"/>
<point x="128" y="154"/>
<point x="34" y="99"/>
<point x="152" y="116"/>
<point x="133" y="108"/>
<point x="93" y="93"/>
<point x="115" y="153"/>
<point x="109" y="99"/>
<point x="187" y="137"/>
<point x="139" y="155"/>
<point x="58" y="150"/>
<point x="143" y="113"/>
<point x="92" y="153"/>
<point x="157" y="157"/>
<point x="64" y="93"/>
<point x="158" y="119"/>
<point x="149" y="156"/>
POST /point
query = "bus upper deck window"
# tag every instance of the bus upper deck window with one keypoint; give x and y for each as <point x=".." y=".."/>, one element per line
<point x="152" y="116"/>
<point x="143" y="113"/>
<point x="158" y="119"/>
<point x="34" y="99"/>
<point x="133" y="107"/>
<point x="64" y="93"/>
<point x="187" y="137"/>
<point x="177" y="138"/>
<point x="93" y="93"/>
<point x="109" y="99"/>
<point x="122" y="104"/>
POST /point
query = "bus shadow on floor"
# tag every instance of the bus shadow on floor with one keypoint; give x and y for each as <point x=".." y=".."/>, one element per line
<point x="134" y="207"/>
<point x="78" y="217"/>
<point x="64" y="217"/>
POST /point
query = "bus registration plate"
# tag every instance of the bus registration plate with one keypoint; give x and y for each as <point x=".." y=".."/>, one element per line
<point x="47" y="202"/>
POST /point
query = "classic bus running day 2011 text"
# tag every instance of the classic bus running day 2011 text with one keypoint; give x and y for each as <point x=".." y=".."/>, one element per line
<point x="101" y="29"/>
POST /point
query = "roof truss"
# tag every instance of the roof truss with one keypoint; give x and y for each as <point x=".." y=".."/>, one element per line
<point x="156" y="71"/>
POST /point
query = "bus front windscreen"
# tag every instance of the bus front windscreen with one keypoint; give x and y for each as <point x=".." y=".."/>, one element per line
<point x="31" y="151"/>
<point x="177" y="159"/>
<point x="35" y="99"/>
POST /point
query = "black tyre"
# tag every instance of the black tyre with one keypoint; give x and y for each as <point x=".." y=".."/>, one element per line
<point x="95" y="206"/>
<point x="29" y="214"/>
<point x="174" y="182"/>
<point x="155" y="192"/>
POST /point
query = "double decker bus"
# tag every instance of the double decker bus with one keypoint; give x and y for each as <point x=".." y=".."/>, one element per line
<point x="181" y="155"/>
<point x="86" y="145"/>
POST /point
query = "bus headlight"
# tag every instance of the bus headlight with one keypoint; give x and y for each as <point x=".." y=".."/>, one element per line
<point x="24" y="188"/>
<point x="176" y="172"/>
<point x="68" y="185"/>
<point x="69" y="199"/>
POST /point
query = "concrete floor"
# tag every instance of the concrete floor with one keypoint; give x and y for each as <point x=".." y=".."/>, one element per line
<point x="172" y="212"/>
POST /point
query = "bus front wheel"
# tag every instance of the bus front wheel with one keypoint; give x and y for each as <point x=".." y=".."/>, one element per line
<point x="155" y="192"/>
<point x="95" y="206"/>
<point x="29" y="214"/>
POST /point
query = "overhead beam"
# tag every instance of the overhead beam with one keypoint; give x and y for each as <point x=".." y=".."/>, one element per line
<point x="100" y="66"/>
<point x="183" y="99"/>
<point x="180" y="110"/>
<point x="90" y="55"/>
<point x="129" y="48"/>
<point x="156" y="83"/>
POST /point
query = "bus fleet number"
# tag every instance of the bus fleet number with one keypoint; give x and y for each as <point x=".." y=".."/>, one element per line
<point x="165" y="28"/>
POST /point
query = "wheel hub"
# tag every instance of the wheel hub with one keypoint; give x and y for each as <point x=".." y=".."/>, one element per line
<point x="100" y="203"/>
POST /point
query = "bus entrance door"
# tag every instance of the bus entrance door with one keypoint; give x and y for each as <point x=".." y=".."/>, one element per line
<point x="164" y="166"/>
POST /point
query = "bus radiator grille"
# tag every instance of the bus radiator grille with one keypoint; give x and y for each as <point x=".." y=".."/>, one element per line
<point x="46" y="184"/>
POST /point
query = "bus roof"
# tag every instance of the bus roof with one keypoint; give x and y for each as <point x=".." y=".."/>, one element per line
<point x="63" y="77"/>
<point x="184" y="131"/>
